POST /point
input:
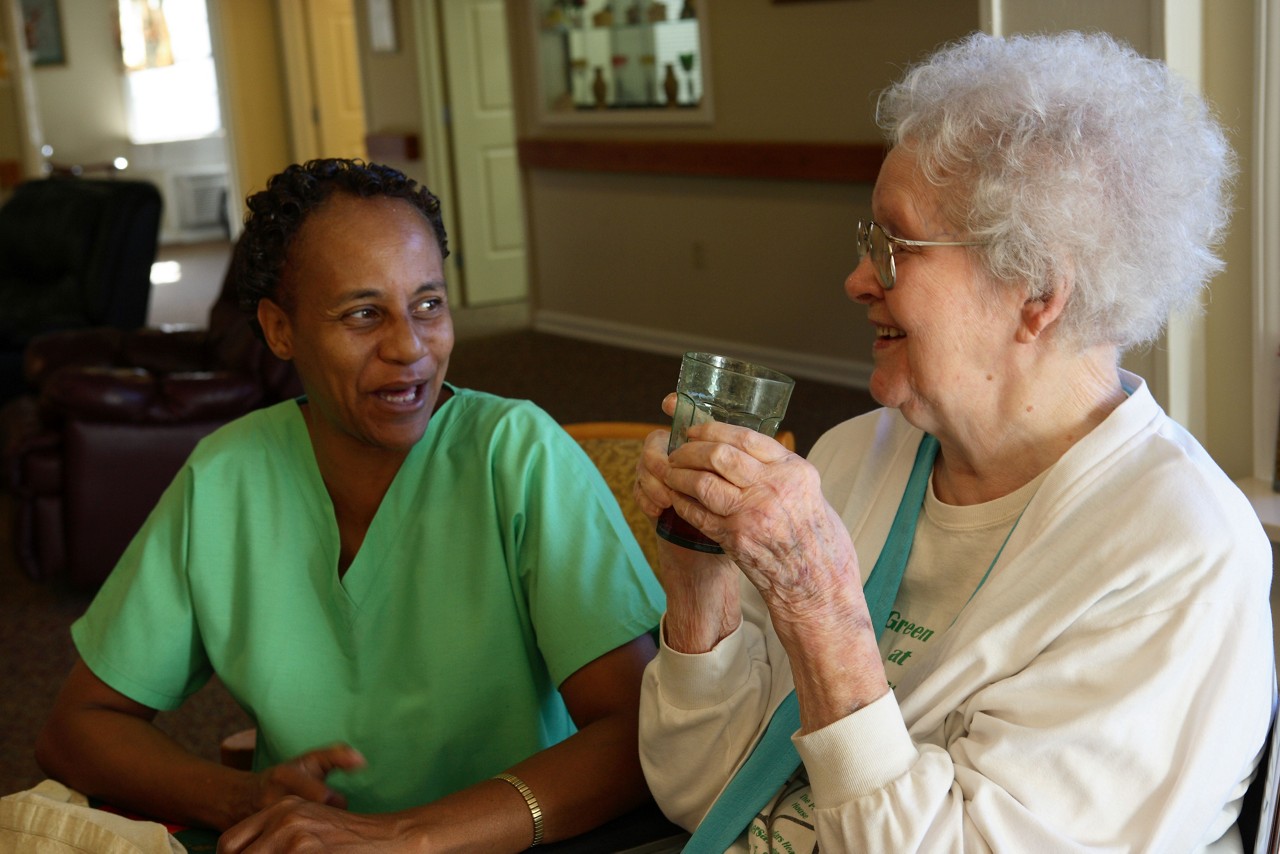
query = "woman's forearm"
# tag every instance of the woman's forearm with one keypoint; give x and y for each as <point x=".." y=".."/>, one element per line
<point x="703" y="605"/>
<point x="835" y="660"/>
<point x="580" y="783"/>
<point x="129" y="763"/>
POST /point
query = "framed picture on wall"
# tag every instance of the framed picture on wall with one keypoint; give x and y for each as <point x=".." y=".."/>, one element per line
<point x="43" y="25"/>
<point x="382" y="26"/>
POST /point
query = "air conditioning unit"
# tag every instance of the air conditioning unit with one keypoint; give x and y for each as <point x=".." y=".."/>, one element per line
<point x="201" y="201"/>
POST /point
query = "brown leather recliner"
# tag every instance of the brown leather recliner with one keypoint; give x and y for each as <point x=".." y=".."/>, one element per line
<point x="115" y="416"/>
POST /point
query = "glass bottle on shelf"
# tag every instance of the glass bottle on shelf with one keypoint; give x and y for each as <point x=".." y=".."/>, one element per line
<point x="600" y="89"/>
<point x="647" y="70"/>
<point x="581" y="94"/>
<point x="620" y="93"/>
<point x="670" y="85"/>
<point x="686" y="62"/>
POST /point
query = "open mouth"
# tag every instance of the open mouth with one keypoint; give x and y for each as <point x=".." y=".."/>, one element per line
<point x="887" y="332"/>
<point x="403" y="396"/>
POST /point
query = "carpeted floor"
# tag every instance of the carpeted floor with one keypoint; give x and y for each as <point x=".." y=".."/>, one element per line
<point x="573" y="380"/>
<point x="582" y="381"/>
<point x="36" y="654"/>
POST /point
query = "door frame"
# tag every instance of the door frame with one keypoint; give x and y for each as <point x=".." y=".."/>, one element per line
<point x="295" y="58"/>
<point x="30" y="132"/>
<point x="437" y="145"/>
<point x="1266" y="224"/>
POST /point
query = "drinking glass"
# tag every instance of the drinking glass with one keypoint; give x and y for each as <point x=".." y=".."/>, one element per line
<point x="718" y="388"/>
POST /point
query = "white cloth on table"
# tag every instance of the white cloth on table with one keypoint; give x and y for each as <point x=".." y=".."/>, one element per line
<point x="52" y="819"/>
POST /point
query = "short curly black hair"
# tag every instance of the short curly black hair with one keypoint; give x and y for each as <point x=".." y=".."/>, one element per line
<point x="277" y="213"/>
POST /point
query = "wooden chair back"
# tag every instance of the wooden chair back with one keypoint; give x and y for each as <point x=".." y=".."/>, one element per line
<point x="615" y="448"/>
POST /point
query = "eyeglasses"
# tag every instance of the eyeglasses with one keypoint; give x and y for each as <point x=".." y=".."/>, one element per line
<point x="873" y="239"/>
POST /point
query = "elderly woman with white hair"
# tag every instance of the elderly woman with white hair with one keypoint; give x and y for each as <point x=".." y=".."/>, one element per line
<point x="1064" y="639"/>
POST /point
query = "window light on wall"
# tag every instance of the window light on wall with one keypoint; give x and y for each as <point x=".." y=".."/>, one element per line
<point x="171" y="90"/>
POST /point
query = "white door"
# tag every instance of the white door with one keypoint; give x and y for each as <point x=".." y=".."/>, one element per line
<point x="322" y="76"/>
<point x="335" y="75"/>
<point x="488" y="209"/>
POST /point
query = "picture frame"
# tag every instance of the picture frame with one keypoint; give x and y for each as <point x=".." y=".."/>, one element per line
<point x="42" y="21"/>
<point x="382" y="26"/>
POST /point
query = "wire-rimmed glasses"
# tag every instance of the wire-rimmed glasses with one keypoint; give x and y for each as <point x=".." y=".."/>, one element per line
<point x="873" y="239"/>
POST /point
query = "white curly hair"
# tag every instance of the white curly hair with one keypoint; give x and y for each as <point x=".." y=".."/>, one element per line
<point x="1073" y="156"/>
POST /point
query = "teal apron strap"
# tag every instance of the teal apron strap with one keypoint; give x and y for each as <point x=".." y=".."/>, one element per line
<point x="881" y="587"/>
<point x="774" y="758"/>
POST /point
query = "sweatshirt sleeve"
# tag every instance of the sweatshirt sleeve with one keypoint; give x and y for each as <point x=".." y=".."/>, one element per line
<point x="701" y="714"/>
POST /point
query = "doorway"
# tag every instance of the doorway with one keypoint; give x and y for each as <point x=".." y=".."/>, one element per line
<point x="451" y="63"/>
<point x="482" y="139"/>
<point x="322" y="78"/>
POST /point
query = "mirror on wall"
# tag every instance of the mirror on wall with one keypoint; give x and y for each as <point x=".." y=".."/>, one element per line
<point x="622" y="61"/>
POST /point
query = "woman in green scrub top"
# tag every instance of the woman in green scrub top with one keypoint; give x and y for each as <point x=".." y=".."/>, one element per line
<point x="425" y="596"/>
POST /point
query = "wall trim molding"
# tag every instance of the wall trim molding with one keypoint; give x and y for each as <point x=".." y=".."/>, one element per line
<point x="786" y="161"/>
<point x="841" y="372"/>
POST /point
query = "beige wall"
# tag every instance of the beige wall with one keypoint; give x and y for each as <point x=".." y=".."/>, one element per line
<point x="82" y="101"/>
<point x="1229" y="83"/>
<point x="1133" y="21"/>
<point x="754" y="263"/>
<point x="81" y="108"/>
<point x="810" y="71"/>
<point x="392" y="96"/>
<point x="759" y="264"/>
<point x="252" y="75"/>
<point x="1218" y="384"/>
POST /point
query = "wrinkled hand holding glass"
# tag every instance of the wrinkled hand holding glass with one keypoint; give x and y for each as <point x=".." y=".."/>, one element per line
<point x="718" y="388"/>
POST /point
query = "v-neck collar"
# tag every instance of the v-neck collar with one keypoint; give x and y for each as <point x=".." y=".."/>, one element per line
<point x="355" y="586"/>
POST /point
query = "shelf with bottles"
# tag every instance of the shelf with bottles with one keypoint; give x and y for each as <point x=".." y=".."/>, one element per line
<point x="651" y="70"/>
<point x="567" y="28"/>
<point x="603" y="14"/>
<point x="636" y="83"/>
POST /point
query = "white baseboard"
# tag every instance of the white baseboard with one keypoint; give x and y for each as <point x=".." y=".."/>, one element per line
<point x="843" y="372"/>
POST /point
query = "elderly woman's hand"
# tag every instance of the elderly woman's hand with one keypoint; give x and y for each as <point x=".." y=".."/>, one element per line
<point x="651" y="493"/>
<point x="764" y="505"/>
<point x="760" y="502"/>
<point x="701" y="588"/>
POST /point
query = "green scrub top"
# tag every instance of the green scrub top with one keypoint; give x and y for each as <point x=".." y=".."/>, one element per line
<point x="497" y="565"/>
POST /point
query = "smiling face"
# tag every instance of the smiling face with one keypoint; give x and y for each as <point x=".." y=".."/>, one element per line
<point x="944" y="333"/>
<point x="366" y="323"/>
